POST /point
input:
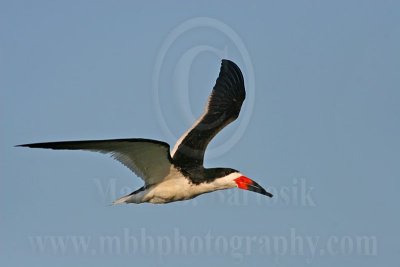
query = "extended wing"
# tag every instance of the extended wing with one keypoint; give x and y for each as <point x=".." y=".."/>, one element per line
<point x="148" y="159"/>
<point x="223" y="107"/>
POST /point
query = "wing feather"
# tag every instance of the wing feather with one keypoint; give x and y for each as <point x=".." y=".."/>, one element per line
<point x="223" y="107"/>
<point x="148" y="159"/>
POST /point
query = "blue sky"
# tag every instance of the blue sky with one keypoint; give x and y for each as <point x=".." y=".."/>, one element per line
<point x="319" y="128"/>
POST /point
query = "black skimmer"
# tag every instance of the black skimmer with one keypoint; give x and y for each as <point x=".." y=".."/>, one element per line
<point x="180" y="174"/>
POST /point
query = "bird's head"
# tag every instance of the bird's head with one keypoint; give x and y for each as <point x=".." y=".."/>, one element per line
<point x="236" y="179"/>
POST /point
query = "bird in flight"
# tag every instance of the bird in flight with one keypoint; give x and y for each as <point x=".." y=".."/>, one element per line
<point x="179" y="174"/>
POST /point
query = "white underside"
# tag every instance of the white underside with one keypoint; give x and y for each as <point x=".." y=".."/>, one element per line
<point x="176" y="188"/>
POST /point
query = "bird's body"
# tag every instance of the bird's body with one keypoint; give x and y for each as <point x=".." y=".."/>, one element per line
<point x="176" y="187"/>
<point x="179" y="175"/>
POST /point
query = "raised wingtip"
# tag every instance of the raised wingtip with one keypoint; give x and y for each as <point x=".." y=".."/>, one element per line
<point x="231" y="68"/>
<point x="228" y="61"/>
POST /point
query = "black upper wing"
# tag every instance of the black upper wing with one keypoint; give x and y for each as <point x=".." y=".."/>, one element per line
<point x="223" y="107"/>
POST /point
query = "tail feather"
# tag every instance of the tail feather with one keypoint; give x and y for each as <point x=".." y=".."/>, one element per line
<point x="131" y="198"/>
<point x="122" y="200"/>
